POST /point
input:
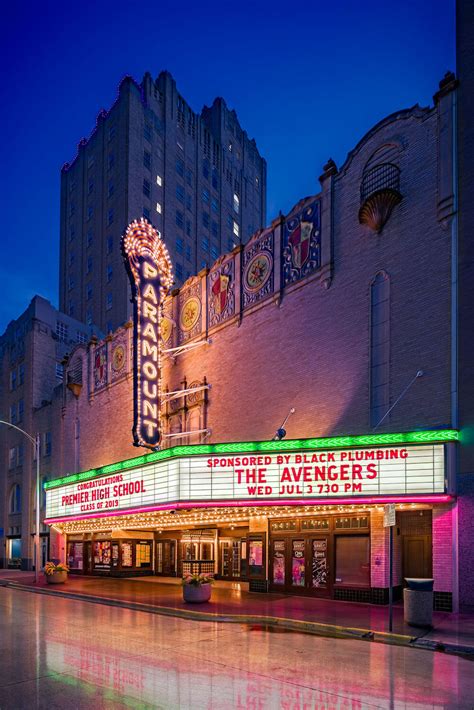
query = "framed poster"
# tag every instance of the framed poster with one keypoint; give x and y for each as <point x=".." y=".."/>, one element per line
<point x="102" y="554"/>
<point x="279" y="562"/>
<point x="297" y="563"/>
<point x="256" y="559"/>
<point x="319" y="568"/>
<point x="127" y="555"/>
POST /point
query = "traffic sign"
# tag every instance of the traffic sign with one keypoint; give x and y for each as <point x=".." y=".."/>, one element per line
<point x="389" y="515"/>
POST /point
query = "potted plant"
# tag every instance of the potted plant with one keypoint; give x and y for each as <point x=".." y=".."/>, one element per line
<point x="197" y="587"/>
<point x="56" y="573"/>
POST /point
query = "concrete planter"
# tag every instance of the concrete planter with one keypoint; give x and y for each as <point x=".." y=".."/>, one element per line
<point x="56" y="578"/>
<point x="196" y="594"/>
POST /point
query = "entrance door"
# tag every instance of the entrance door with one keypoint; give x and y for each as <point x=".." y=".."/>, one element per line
<point x="301" y="565"/>
<point x="417" y="556"/>
<point x="231" y="557"/>
<point x="166" y="558"/>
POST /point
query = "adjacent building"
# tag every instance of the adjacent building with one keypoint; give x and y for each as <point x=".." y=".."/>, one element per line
<point x="32" y="350"/>
<point x="347" y="311"/>
<point x="197" y="177"/>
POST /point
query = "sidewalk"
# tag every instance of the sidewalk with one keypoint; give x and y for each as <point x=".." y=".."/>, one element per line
<point x="451" y="632"/>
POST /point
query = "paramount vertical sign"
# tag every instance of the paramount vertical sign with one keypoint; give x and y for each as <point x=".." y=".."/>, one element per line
<point x="149" y="269"/>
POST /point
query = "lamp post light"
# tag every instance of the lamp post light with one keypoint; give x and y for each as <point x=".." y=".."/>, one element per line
<point x="36" y="447"/>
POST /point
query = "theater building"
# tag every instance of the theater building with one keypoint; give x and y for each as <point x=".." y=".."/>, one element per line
<point x="345" y="311"/>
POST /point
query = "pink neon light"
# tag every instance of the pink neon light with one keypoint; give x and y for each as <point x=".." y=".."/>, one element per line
<point x="434" y="498"/>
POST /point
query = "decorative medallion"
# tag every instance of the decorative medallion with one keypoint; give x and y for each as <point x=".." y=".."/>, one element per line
<point x="189" y="322"/>
<point x="301" y="244"/>
<point x="221" y="287"/>
<point x="190" y="313"/>
<point x="194" y="397"/>
<point x="100" y="366"/>
<point x="258" y="271"/>
<point x="118" y="358"/>
<point x="166" y="329"/>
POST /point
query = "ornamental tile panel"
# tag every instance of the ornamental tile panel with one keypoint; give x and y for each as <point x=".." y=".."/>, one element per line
<point x="301" y="247"/>
<point x="100" y="367"/>
<point x="221" y="291"/>
<point x="119" y="356"/>
<point x="257" y="269"/>
<point x="189" y="312"/>
<point x="167" y="324"/>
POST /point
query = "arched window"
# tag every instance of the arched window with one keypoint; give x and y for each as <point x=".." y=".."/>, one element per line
<point x="379" y="347"/>
<point x="14" y="505"/>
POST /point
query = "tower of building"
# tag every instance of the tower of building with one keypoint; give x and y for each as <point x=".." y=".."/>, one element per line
<point x="197" y="177"/>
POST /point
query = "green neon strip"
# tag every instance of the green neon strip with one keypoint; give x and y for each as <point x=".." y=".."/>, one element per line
<point x="330" y="442"/>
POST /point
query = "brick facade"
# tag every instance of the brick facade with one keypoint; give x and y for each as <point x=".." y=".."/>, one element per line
<point x="303" y="337"/>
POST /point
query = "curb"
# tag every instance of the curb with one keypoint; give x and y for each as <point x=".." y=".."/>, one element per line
<point x="309" y="627"/>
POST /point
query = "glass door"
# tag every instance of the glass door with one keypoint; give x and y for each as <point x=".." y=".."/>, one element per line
<point x="231" y="556"/>
<point x="318" y="552"/>
<point x="166" y="558"/>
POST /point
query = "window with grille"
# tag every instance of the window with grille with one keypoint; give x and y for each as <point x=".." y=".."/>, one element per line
<point x="380" y="177"/>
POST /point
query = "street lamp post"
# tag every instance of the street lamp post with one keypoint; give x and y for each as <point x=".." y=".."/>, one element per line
<point x="36" y="447"/>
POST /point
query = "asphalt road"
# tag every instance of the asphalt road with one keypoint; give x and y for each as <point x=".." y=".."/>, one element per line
<point x="61" y="653"/>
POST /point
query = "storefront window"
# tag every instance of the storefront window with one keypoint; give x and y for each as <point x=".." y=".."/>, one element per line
<point x="279" y="562"/>
<point x="102" y="554"/>
<point x="297" y="563"/>
<point x="319" y="571"/>
<point x="353" y="560"/>
<point x="75" y="555"/>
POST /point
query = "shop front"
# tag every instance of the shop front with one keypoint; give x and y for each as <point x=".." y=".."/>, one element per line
<point x="295" y="517"/>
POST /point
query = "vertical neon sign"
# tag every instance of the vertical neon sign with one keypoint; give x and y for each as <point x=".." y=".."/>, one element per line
<point x="149" y="268"/>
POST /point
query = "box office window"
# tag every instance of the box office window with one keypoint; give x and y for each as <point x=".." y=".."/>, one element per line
<point x="353" y="560"/>
<point x="143" y="554"/>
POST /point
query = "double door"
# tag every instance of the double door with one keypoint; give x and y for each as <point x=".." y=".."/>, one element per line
<point x="301" y="565"/>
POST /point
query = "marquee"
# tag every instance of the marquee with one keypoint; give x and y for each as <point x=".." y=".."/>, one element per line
<point x="310" y="475"/>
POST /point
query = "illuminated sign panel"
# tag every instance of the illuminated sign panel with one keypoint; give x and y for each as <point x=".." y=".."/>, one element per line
<point x="149" y="268"/>
<point x="309" y="475"/>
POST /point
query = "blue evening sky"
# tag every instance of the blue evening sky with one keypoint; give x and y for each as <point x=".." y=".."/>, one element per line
<point x="307" y="80"/>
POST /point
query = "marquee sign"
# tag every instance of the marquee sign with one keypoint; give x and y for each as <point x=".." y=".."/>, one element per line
<point x="309" y="476"/>
<point x="149" y="269"/>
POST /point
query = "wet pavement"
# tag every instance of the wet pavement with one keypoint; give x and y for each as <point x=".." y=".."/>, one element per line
<point x="62" y="653"/>
<point x="230" y="599"/>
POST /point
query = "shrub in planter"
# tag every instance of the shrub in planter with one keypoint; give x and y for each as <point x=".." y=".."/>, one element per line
<point x="197" y="587"/>
<point x="56" y="574"/>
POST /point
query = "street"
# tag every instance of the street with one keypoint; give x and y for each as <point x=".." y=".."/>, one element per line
<point x="60" y="653"/>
